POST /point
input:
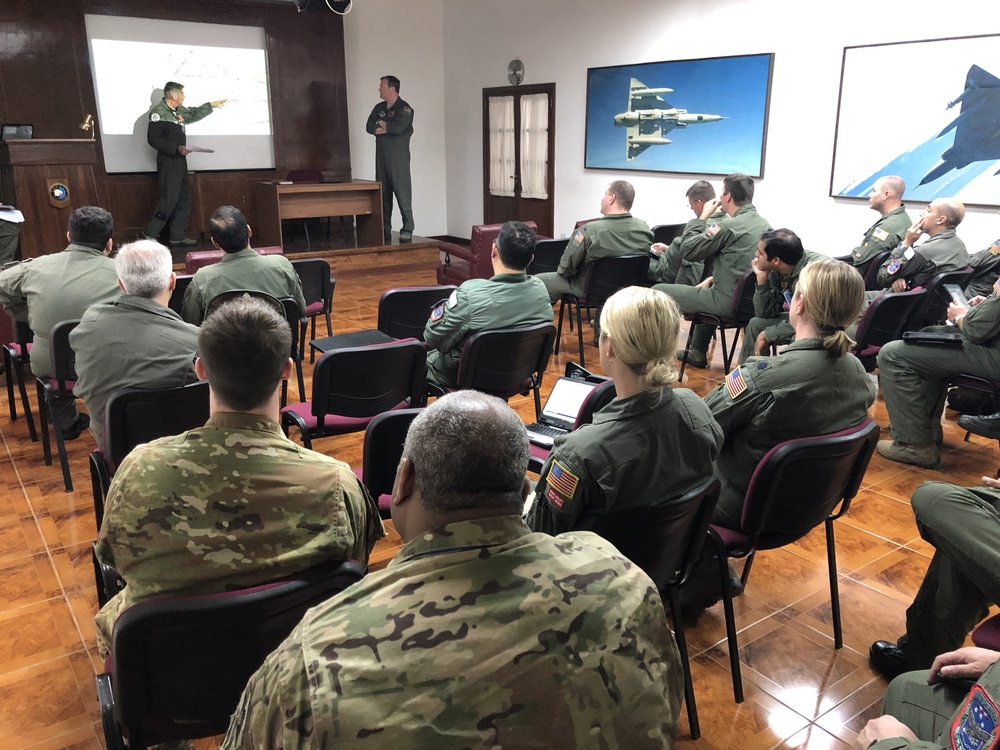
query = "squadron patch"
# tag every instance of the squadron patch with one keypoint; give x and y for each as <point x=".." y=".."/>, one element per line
<point x="880" y="234"/>
<point x="995" y="248"/>
<point x="438" y="312"/>
<point x="578" y="237"/>
<point x="893" y="266"/>
<point x="735" y="383"/>
<point x="976" y="726"/>
<point x="562" y="484"/>
<point x="713" y="229"/>
<point x="155" y="117"/>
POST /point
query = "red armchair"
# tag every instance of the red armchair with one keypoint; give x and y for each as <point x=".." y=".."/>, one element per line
<point x="459" y="263"/>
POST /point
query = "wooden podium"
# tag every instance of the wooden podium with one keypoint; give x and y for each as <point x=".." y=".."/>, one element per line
<point x="46" y="179"/>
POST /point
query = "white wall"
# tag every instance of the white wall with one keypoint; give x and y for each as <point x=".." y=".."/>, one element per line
<point x="404" y="39"/>
<point x="559" y="39"/>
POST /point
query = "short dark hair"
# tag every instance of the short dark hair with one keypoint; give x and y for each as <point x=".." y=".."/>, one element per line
<point x="516" y="244"/>
<point x="701" y="190"/>
<point x="91" y="226"/>
<point x="229" y="229"/>
<point x="392" y="82"/>
<point x="243" y="346"/>
<point x="739" y="187"/>
<point x="624" y="193"/>
<point x="782" y="244"/>
<point x="170" y="88"/>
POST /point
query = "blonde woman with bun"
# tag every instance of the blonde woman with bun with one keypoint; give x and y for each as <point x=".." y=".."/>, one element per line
<point x="649" y="445"/>
<point x="813" y="387"/>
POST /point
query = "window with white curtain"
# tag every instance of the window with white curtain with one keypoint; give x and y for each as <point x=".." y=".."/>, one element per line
<point x="502" y="146"/>
<point x="534" y="145"/>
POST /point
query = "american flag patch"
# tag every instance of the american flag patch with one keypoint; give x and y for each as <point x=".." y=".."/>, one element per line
<point x="880" y="234"/>
<point x="578" y="237"/>
<point x="995" y="248"/>
<point x="562" y="481"/>
<point x="996" y="286"/>
<point x="735" y="383"/>
<point x="713" y="229"/>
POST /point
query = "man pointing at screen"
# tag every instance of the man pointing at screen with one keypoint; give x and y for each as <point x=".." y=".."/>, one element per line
<point x="165" y="133"/>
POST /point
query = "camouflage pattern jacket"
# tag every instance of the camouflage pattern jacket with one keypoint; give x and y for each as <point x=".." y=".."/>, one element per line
<point x="481" y="634"/>
<point x="231" y="504"/>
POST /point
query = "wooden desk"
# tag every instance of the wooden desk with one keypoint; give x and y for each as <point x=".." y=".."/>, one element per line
<point x="306" y="200"/>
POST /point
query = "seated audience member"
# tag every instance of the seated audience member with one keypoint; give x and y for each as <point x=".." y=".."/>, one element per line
<point x="234" y="503"/>
<point x="730" y="242"/>
<point x="985" y="271"/>
<point x="616" y="233"/>
<point x="239" y="268"/>
<point x="135" y="341"/>
<point x="886" y="197"/>
<point x="49" y="289"/>
<point x="963" y="579"/>
<point x="779" y="260"/>
<point x="813" y="387"/>
<point x="668" y="265"/>
<point x="938" y="709"/>
<point x="479" y="633"/>
<point x="647" y="447"/>
<point x="510" y="298"/>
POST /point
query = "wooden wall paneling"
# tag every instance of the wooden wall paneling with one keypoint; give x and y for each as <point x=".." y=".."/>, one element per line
<point x="131" y="199"/>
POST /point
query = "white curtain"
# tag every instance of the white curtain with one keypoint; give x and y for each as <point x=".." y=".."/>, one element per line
<point x="534" y="145"/>
<point x="502" y="146"/>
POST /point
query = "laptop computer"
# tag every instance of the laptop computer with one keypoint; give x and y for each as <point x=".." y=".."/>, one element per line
<point x="560" y="410"/>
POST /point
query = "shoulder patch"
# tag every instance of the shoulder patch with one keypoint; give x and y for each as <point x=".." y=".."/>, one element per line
<point x="977" y="725"/>
<point x="880" y="234"/>
<point x="578" y="237"/>
<point x="995" y="248"/>
<point x="713" y="229"/>
<point x="562" y="484"/>
<point x="155" y="117"/>
<point x="438" y="312"/>
<point x="453" y="299"/>
<point x="893" y="266"/>
<point x="735" y="383"/>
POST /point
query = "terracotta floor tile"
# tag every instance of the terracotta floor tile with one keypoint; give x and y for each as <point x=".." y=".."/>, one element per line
<point x="19" y="538"/>
<point x="27" y="581"/>
<point x="814" y="738"/>
<point x="855" y="547"/>
<point x="68" y="527"/>
<point x="882" y="516"/>
<point x="37" y="633"/>
<point x="42" y="702"/>
<point x="898" y="574"/>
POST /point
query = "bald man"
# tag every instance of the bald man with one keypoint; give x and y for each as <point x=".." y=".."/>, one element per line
<point x="886" y="197"/>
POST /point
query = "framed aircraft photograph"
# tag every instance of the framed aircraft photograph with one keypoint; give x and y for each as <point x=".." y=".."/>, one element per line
<point x="937" y="126"/>
<point x="705" y="116"/>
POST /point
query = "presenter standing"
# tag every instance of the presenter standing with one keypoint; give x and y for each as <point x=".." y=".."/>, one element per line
<point x="391" y="122"/>
<point x="165" y="133"/>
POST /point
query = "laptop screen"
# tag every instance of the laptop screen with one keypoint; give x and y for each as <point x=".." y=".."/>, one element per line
<point x="565" y="400"/>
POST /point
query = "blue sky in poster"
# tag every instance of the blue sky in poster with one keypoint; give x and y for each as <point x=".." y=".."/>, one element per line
<point x="734" y="87"/>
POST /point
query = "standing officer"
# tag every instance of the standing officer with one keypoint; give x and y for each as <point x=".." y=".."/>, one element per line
<point x="391" y="122"/>
<point x="165" y="133"/>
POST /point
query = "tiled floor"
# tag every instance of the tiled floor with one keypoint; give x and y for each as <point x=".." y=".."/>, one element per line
<point x="800" y="692"/>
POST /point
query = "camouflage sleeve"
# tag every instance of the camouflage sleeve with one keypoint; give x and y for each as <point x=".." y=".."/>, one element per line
<point x="363" y="517"/>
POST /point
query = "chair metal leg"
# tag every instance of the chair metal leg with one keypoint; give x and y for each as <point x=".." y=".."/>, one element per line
<point x="312" y="352"/>
<point x="302" y="382"/>
<point x="692" y="709"/>
<point x="728" y="360"/>
<point x="831" y="559"/>
<point x="27" y="408"/>
<point x="687" y="348"/>
<point x="8" y="366"/>
<point x="562" y="307"/>
<point x="284" y="393"/>
<point x="43" y="418"/>
<point x="746" y="568"/>
<point x="60" y="446"/>
<point x="727" y="601"/>
<point x="579" y="332"/>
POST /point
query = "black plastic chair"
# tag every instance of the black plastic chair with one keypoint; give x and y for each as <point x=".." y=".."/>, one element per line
<point x="59" y="385"/>
<point x="935" y="307"/>
<point x="317" y="288"/>
<point x="796" y="486"/>
<point x="547" y="254"/>
<point x="504" y="362"/>
<point x="604" y="277"/>
<point x="382" y="451"/>
<point x="179" y="664"/>
<point x="351" y="386"/>
<point x="666" y="542"/>
<point x="176" y="302"/>
<point x="667" y="233"/>
<point x="16" y="354"/>
<point x="741" y="312"/>
<point x="403" y="312"/>
<point x="885" y="320"/>
<point x="602" y="395"/>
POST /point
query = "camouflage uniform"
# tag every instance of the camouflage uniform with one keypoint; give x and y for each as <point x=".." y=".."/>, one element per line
<point x="477" y="635"/>
<point x="638" y="452"/>
<point x="505" y="300"/>
<point x="130" y="343"/>
<point x="231" y="504"/>
<point x="607" y="237"/>
<point x="272" y="274"/>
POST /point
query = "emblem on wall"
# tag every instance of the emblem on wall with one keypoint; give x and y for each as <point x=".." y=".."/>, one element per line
<point x="58" y="193"/>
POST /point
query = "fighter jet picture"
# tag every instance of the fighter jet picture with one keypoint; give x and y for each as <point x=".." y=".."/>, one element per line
<point x="977" y="128"/>
<point x="650" y="117"/>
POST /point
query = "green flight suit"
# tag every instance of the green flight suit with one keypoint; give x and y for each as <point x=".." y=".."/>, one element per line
<point x="165" y="132"/>
<point x="935" y="712"/>
<point x="10" y="234"/>
<point x="803" y="392"/>
<point x="919" y="264"/>
<point x="669" y="267"/>
<point x="608" y="237"/>
<point x="985" y="271"/>
<point x="914" y="378"/>
<point x="731" y="242"/>
<point x="770" y="305"/>
<point x="392" y="161"/>
<point x="503" y="301"/>
<point x="53" y="288"/>
<point x="883" y="235"/>
<point x="271" y="274"/>
<point x="642" y="451"/>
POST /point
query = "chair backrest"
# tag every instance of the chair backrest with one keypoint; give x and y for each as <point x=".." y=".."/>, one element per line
<point x="317" y="285"/>
<point x="871" y="270"/>
<point x="196" y="259"/>
<point x="180" y="288"/>
<point x="597" y="399"/>
<point x="502" y="361"/>
<point x="304" y="175"/>
<point x="666" y="540"/>
<point x="887" y="317"/>
<point x="62" y="358"/>
<point x="742" y="310"/>
<point x="403" y="312"/>
<point x="605" y="276"/>
<point x="667" y="233"/>
<point x="548" y="253"/>
<point x="798" y="484"/>
<point x="383" y="449"/>
<point x="179" y="664"/>
<point x="363" y="381"/>
<point x="935" y="307"/>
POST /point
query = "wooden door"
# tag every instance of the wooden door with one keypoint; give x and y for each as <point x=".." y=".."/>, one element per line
<point x="519" y="195"/>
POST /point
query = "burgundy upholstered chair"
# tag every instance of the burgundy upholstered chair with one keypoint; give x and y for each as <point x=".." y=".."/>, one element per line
<point x="460" y="263"/>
